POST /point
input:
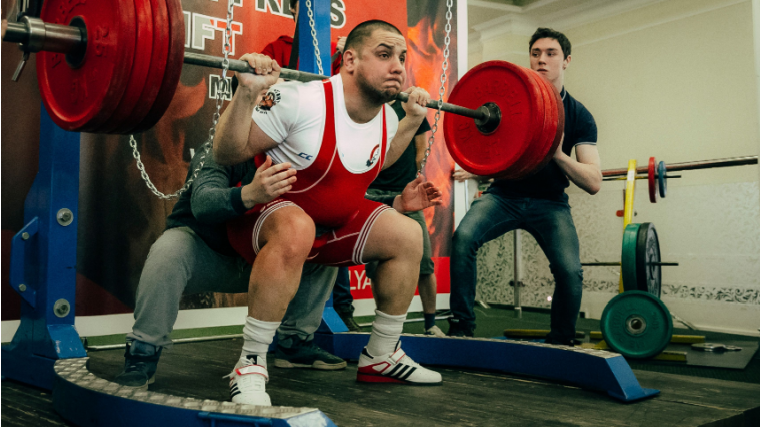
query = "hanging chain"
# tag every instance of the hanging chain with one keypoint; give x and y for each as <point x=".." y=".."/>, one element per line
<point x="313" y="26"/>
<point x="221" y="90"/>
<point x="442" y="90"/>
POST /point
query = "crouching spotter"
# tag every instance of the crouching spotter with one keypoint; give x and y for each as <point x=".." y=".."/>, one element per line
<point x="338" y="134"/>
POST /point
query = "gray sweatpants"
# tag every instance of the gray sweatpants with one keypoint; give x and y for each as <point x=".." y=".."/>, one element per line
<point x="180" y="263"/>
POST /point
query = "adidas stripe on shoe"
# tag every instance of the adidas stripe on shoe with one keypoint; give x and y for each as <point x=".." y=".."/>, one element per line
<point x="394" y="367"/>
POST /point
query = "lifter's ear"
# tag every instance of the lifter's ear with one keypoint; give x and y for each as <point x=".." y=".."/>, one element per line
<point x="349" y="60"/>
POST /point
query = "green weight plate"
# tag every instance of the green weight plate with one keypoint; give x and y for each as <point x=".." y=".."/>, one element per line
<point x="628" y="258"/>
<point x="637" y="325"/>
<point x="648" y="269"/>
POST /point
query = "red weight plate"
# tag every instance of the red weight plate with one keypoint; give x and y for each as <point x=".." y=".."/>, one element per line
<point x="543" y="147"/>
<point x="555" y="145"/>
<point x="86" y="94"/>
<point x="173" y="66"/>
<point x="516" y="95"/>
<point x="652" y="180"/>
<point x="555" y="131"/>
<point x="158" y="63"/>
<point x="140" y="69"/>
<point x="524" y="165"/>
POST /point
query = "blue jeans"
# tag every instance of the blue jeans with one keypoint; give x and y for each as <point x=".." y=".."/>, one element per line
<point x="551" y="223"/>
<point x="342" y="299"/>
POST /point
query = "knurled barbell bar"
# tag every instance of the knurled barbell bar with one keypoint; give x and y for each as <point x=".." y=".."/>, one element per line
<point x="685" y="166"/>
<point x="618" y="264"/>
<point x="112" y="66"/>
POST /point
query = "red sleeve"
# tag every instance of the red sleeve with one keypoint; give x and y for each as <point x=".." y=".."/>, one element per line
<point x="338" y="59"/>
<point x="279" y="51"/>
<point x="269" y="51"/>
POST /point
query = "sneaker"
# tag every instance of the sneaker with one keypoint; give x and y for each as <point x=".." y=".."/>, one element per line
<point x="394" y="367"/>
<point x="347" y="316"/>
<point x="248" y="382"/>
<point x="457" y="328"/>
<point x="297" y="353"/>
<point x="140" y="362"/>
<point x="436" y="332"/>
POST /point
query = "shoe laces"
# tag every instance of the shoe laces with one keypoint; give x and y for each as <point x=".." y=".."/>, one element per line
<point x="244" y="361"/>
<point x="406" y="360"/>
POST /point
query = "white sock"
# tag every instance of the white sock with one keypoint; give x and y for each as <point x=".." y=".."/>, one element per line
<point x="257" y="336"/>
<point x="386" y="331"/>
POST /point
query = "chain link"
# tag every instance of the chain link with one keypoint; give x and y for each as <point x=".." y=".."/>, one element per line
<point x="221" y="90"/>
<point x="313" y="26"/>
<point x="442" y="89"/>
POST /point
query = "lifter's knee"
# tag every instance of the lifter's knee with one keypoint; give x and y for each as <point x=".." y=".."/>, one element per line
<point x="408" y="239"/>
<point x="290" y="233"/>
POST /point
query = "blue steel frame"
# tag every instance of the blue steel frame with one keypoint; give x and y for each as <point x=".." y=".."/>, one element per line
<point x="591" y="369"/>
<point x="43" y="261"/>
<point x="331" y="322"/>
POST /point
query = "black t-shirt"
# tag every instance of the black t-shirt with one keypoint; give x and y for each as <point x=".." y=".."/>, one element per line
<point x="550" y="182"/>
<point x="404" y="170"/>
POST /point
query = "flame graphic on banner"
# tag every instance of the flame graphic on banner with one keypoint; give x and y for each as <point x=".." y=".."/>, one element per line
<point x="425" y="40"/>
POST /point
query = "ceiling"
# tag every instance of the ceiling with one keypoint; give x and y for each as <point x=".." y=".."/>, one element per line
<point x="481" y="13"/>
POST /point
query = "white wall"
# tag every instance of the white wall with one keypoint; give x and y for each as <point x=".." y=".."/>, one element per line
<point x="674" y="79"/>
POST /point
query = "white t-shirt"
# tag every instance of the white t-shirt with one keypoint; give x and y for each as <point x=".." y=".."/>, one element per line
<point x="296" y="121"/>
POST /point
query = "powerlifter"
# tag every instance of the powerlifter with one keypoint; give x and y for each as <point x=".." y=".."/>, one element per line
<point x="337" y="134"/>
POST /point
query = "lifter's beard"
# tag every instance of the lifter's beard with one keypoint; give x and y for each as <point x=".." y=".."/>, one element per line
<point x="376" y="96"/>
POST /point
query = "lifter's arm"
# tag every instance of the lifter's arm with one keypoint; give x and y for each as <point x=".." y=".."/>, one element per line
<point x="586" y="171"/>
<point x="421" y="144"/>
<point x="238" y="138"/>
<point x="417" y="195"/>
<point x="216" y="199"/>
<point x="416" y="111"/>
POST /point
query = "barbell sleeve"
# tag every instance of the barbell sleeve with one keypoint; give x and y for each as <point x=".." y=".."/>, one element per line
<point x="37" y="36"/>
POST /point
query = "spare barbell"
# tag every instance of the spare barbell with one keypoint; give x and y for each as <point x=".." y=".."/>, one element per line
<point x="112" y="66"/>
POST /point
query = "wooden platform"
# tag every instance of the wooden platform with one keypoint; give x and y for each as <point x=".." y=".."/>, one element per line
<point x="465" y="399"/>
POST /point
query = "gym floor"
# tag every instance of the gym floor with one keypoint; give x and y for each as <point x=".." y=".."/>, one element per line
<point x="690" y="396"/>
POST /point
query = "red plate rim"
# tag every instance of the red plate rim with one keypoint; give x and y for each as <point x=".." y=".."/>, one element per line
<point x="455" y="95"/>
<point x="652" y="180"/>
<point x="560" y="126"/>
<point x="158" y="63"/>
<point x="523" y="164"/>
<point x="173" y="69"/>
<point x="549" y="129"/>
<point x="554" y="134"/>
<point x="141" y="67"/>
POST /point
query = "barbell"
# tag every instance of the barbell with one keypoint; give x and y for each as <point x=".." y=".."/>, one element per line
<point x="657" y="172"/>
<point x="112" y="66"/>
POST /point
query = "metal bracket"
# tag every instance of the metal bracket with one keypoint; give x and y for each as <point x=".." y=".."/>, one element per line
<point x="17" y="270"/>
